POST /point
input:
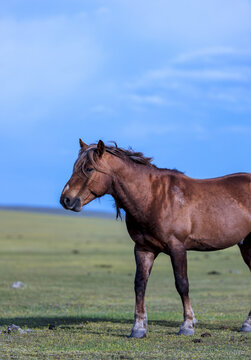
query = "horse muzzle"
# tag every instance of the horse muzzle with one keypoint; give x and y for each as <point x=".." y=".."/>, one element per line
<point x="73" y="204"/>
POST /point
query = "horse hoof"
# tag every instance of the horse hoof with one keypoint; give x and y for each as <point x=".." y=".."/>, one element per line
<point x="138" y="334"/>
<point x="186" y="331"/>
<point x="246" y="328"/>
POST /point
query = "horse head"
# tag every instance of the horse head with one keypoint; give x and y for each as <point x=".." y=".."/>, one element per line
<point x="90" y="178"/>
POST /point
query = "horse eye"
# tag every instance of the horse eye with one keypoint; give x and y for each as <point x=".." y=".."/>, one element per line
<point x="89" y="169"/>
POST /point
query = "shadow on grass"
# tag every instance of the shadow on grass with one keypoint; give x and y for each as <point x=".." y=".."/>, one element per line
<point x="70" y="322"/>
<point x="67" y="321"/>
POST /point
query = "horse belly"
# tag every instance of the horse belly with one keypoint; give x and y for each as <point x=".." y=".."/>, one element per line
<point x="219" y="230"/>
<point x="209" y="244"/>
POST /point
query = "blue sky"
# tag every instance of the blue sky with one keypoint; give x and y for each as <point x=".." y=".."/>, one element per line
<point x="169" y="78"/>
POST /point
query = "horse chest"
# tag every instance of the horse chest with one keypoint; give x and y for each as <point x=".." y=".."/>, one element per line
<point x="145" y="235"/>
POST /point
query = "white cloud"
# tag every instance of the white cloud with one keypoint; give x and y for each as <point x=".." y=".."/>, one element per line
<point x="183" y="23"/>
<point x="101" y="109"/>
<point x="44" y="60"/>
<point x="240" y="129"/>
<point x="147" y="99"/>
<point x="225" y="79"/>
<point x="200" y="75"/>
<point x="142" y="129"/>
<point x="103" y="11"/>
<point x="47" y="62"/>
<point x="210" y="54"/>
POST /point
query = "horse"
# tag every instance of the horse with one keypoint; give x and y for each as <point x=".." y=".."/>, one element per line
<point x="165" y="212"/>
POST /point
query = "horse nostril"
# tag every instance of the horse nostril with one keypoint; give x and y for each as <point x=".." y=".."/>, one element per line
<point x="66" y="201"/>
<point x="69" y="203"/>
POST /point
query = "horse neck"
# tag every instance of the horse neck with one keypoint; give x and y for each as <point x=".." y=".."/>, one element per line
<point x="131" y="188"/>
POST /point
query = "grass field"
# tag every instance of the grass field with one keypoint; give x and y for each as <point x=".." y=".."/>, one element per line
<point x="78" y="275"/>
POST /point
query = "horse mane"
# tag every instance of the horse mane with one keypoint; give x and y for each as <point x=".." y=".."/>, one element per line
<point x="127" y="155"/>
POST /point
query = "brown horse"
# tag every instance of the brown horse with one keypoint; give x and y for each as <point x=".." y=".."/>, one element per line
<point x="166" y="211"/>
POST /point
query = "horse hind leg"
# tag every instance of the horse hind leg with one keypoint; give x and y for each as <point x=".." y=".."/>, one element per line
<point x="245" y="248"/>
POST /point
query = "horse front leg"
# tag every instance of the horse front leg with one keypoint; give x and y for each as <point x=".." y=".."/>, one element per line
<point x="144" y="262"/>
<point x="179" y="263"/>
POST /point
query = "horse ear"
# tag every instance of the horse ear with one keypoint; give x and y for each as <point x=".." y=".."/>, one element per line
<point x="82" y="144"/>
<point x="100" y="148"/>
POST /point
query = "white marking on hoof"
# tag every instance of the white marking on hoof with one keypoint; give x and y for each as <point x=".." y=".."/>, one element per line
<point x="186" y="328"/>
<point x="138" y="334"/>
<point x="139" y="329"/>
<point x="246" y="326"/>
<point x="187" y="332"/>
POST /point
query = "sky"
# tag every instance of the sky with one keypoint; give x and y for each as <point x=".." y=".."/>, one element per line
<point x="169" y="78"/>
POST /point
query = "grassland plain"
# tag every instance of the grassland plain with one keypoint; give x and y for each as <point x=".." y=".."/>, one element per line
<point x="78" y="275"/>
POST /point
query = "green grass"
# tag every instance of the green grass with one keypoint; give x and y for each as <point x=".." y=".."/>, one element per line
<point x="79" y="276"/>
